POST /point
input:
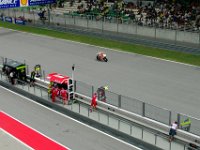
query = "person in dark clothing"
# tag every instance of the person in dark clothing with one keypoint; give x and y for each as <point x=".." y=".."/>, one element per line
<point x="12" y="77"/>
<point x="32" y="79"/>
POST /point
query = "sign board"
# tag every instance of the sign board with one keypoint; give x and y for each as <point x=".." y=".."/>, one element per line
<point x="20" y="21"/>
<point x="8" y="19"/>
<point x="23" y="3"/>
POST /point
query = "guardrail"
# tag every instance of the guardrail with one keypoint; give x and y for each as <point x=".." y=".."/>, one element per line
<point x="127" y="121"/>
<point x="144" y="121"/>
<point x="126" y="114"/>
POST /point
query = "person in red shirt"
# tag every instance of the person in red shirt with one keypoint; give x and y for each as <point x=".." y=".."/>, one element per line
<point x="54" y="93"/>
<point x="64" y="95"/>
<point x="93" y="102"/>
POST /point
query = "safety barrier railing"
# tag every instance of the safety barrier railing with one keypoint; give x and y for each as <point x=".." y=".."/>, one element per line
<point x="133" y="105"/>
<point x="130" y="104"/>
<point x="105" y="117"/>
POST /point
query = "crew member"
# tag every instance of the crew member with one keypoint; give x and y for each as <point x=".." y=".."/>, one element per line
<point x="32" y="79"/>
<point x="54" y="93"/>
<point x="64" y="95"/>
<point x="50" y="87"/>
<point x="93" y="102"/>
<point x="12" y="77"/>
<point x="185" y="125"/>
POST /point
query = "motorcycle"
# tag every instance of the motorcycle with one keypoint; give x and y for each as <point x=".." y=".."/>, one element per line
<point x="102" y="57"/>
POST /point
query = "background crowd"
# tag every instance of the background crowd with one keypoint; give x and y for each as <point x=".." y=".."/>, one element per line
<point x="160" y="13"/>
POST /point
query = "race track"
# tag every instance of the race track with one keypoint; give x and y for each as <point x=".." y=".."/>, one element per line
<point x="55" y="126"/>
<point x="162" y="83"/>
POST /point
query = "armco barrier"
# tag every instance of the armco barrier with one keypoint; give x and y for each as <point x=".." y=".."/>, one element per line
<point x="127" y="116"/>
<point x="132" y="105"/>
<point x="144" y="121"/>
<point x="129" y="104"/>
<point x="108" y="122"/>
<point x="77" y="111"/>
<point x="126" y="103"/>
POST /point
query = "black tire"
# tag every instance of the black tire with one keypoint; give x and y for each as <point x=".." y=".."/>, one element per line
<point x="105" y="59"/>
<point x="97" y="57"/>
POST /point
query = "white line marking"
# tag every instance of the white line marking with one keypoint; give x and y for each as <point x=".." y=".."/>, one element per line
<point x="16" y="139"/>
<point x="72" y="119"/>
<point x="120" y="51"/>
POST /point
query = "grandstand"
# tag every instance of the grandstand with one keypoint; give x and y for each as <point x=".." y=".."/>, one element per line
<point x="171" y="14"/>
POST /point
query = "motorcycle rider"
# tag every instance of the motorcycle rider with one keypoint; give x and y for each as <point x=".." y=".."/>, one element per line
<point x="101" y="56"/>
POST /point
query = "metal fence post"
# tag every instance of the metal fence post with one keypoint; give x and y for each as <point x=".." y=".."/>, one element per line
<point x="79" y="109"/>
<point x="118" y="124"/>
<point x="27" y="69"/>
<point x="28" y="88"/>
<point x="175" y="36"/>
<point x="34" y="17"/>
<point x="6" y="59"/>
<point x="74" y="85"/>
<point x="178" y="119"/>
<point x="65" y="22"/>
<point x="87" y="21"/>
<point x="102" y="24"/>
<point x="117" y="26"/>
<point x="119" y="101"/>
<point x="136" y="29"/>
<point x="170" y="117"/>
<point x="155" y="139"/>
<point x="3" y="60"/>
<point x="143" y="109"/>
<point x="44" y="75"/>
<point x="92" y="90"/>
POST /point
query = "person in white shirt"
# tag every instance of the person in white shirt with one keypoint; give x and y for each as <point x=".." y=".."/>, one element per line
<point x="172" y="131"/>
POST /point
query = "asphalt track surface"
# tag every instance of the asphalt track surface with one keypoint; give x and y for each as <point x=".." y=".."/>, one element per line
<point x="55" y="126"/>
<point x="162" y="83"/>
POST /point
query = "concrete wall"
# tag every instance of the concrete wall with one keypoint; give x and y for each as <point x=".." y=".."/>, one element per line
<point x="95" y="24"/>
<point x="188" y="37"/>
<point x="80" y="22"/>
<point x="166" y="34"/>
<point x="176" y="36"/>
<point x="126" y="28"/>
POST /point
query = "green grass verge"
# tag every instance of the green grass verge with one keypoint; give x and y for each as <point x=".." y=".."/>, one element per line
<point x="139" y="49"/>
